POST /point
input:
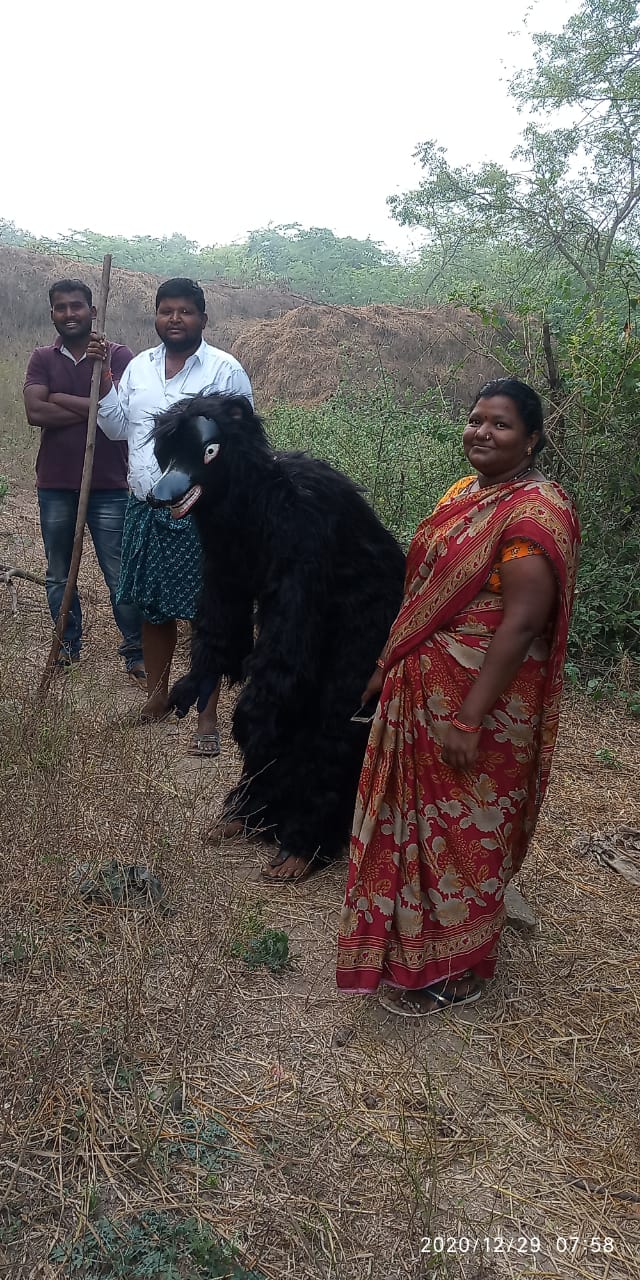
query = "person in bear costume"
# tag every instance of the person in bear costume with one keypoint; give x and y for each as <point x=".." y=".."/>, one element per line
<point x="301" y="583"/>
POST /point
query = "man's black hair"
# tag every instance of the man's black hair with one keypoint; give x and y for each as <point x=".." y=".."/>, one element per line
<point x="71" y="286"/>
<point x="181" y="287"/>
<point x="526" y="400"/>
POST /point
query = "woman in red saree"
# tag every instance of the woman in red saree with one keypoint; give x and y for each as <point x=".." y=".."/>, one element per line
<point x="460" y="750"/>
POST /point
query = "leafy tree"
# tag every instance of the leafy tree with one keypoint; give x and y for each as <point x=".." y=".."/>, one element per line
<point x="166" y="255"/>
<point x="311" y="261"/>
<point x="575" y="187"/>
<point x="12" y="235"/>
<point x="560" y="231"/>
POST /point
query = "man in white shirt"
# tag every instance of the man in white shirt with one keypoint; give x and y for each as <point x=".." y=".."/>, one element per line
<point x="161" y="556"/>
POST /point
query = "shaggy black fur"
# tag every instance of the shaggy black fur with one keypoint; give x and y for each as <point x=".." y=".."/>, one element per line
<point x="294" y="538"/>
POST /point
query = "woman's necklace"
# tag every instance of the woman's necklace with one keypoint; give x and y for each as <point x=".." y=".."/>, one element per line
<point x="519" y="476"/>
<point x="525" y="471"/>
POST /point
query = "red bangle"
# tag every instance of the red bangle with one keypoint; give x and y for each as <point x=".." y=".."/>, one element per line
<point x="465" y="728"/>
<point x="380" y="663"/>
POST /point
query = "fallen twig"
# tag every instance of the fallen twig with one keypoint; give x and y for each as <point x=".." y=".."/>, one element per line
<point x="7" y="573"/>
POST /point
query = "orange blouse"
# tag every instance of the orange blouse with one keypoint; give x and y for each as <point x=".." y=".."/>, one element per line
<point x="513" y="549"/>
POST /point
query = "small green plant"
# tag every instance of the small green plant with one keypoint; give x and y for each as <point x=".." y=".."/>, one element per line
<point x="270" y="949"/>
<point x="608" y="758"/>
<point x="4" y="487"/>
<point x="115" y="884"/>
<point x="201" y="1143"/>
<point x="11" y="1227"/>
<point x="91" y="1200"/>
<point x="18" y="948"/>
<point x="126" y="1076"/>
<point x="633" y="704"/>
<point x="154" y="1246"/>
<point x="254" y="943"/>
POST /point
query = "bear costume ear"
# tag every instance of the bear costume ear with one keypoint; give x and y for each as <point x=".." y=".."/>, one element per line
<point x="239" y="408"/>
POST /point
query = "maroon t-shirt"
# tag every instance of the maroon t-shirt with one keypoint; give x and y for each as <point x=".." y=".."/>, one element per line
<point x="61" y="452"/>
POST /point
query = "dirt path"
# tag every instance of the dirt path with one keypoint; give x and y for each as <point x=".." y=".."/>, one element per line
<point x="348" y="1137"/>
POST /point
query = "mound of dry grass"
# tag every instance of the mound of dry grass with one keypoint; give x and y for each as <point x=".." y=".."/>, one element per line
<point x="25" y="277"/>
<point x="25" y="323"/>
<point x="307" y="354"/>
<point x="336" y="1137"/>
<point x="297" y="354"/>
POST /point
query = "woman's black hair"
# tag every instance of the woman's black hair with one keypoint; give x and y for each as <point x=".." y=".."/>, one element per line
<point x="526" y="400"/>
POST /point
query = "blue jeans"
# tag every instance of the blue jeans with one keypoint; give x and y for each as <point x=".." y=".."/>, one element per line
<point x="105" y="518"/>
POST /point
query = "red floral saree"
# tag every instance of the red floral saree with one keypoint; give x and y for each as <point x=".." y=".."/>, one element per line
<point x="432" y="849"/>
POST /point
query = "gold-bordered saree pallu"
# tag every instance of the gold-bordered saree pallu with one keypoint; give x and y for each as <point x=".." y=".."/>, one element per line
<point x="432" y="849"/>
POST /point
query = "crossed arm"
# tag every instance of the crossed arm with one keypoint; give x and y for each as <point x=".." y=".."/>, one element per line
<point x="57" y="410"/>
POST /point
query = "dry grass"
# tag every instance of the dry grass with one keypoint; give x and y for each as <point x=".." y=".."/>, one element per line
<point x="349" y="1135"/>
<point x="305" y="355"/>
<point x="294" y="354"/>
<point x="25" y="323"/>
<point x="25" y="277"/>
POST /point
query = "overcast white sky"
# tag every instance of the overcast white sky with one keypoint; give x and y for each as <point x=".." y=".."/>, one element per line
<point x="214" y="118"/>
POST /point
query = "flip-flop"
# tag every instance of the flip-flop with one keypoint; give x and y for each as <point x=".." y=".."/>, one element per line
<point x="407" y="1003"/>
<point x="206" y="745"/>
<point x="281" y="857"/>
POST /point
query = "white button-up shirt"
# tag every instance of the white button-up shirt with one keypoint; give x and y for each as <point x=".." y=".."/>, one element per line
<point x="144" y="391"/>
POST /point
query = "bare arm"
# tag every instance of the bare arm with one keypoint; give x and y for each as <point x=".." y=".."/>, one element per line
<point x="42" y="412"/>
<point x="73" y="404"/>
<point x="529" y="595"/>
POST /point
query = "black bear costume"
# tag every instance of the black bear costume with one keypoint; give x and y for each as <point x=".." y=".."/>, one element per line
<point x="301" y="583"/>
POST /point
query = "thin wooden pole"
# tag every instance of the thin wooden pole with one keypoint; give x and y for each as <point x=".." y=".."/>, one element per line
<point x="85" y="489"/>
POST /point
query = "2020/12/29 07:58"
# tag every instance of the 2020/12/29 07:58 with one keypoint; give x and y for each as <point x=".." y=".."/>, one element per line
<point x="497" y="1244"/>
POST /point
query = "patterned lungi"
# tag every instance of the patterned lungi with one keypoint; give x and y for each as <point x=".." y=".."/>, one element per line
<point x="160" y="569"/>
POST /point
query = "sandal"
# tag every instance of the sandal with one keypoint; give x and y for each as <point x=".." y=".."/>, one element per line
<point x="282" y="856"/>
<point x="410" y="1004"/>
<point x="138" y="677"/>
<point x="206" y="745"/>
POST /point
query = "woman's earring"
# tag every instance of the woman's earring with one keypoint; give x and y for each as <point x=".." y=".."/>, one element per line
<point x="529" y="451"/>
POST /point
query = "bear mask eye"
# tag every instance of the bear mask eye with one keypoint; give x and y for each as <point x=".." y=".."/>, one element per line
<point x="211" y="452"/>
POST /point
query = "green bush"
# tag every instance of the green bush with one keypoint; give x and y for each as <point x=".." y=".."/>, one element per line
<point x="154" y="1246"/>
<point x="404" y="454"/>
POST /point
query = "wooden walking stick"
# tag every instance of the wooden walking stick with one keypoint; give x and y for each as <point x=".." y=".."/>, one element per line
<point x="85" y="488"/>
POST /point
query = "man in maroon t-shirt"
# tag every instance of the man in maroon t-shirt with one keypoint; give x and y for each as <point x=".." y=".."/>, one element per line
<point x="56" y="397"/>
